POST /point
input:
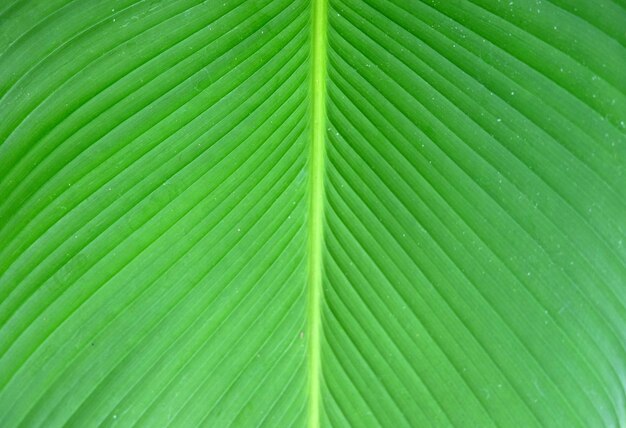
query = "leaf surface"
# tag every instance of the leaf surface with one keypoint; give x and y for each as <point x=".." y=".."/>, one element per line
<point x="327" y="213"/>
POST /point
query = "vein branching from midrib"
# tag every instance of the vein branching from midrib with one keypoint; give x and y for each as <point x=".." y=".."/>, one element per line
<point x="316" y="206"/>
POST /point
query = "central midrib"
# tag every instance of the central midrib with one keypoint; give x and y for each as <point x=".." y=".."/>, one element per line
<point x="316" y="206"/>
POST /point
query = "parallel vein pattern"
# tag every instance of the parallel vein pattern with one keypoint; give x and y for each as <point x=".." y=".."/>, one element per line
<point x="475" y="259"/>
<point x="153" y="214"/>
<point x="312" y="213"/>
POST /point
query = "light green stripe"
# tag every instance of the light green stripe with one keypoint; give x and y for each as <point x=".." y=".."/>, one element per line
<point x="316" y="205"/>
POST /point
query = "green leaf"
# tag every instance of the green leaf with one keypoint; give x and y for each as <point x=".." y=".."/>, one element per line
<point x="327" y="213"/>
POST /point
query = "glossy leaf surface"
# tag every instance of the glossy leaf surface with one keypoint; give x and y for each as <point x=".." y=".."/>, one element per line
<point x="289" y="213"/>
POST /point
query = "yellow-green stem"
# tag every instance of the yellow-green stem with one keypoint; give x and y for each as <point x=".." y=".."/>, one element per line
<point x="316" y="206"/>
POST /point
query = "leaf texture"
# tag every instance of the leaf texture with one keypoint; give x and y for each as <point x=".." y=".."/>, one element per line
<point x="327" y="213"/>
